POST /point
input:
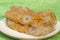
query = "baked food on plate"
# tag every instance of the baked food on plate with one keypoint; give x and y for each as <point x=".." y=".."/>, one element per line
<point x="26" y="21"/>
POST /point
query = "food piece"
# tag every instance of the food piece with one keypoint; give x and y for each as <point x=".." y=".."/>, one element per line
<point x="20" y="15"/>
<point x="16" y="26"/>
<point x="35" y="30"/>
<point x="41" y="30"/>
<point x="47" y="18"/>
<point x="24" y="20"/>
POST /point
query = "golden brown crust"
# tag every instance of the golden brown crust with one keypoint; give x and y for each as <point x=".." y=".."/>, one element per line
<point x="47" y="18"/>
<point x="24" y="20"/>
<point x="16" y="26"/>
<point x="18" y="13"/>
<point x="36" y="30"/>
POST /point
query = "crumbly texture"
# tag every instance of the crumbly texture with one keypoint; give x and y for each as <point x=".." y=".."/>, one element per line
<point x="24" y="20"/>
<point x="35" y="30"/>
<point x="20" y="14"/>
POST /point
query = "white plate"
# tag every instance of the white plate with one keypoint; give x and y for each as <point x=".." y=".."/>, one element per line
<point x="10" y="32"/>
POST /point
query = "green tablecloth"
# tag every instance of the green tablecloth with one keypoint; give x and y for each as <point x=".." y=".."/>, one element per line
<point x="35" y="5"/>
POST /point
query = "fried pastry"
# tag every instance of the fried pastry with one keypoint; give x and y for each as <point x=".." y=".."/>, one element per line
<point x="20" y="15"/>
<point x="26" y="21"/>
<point x="35" y="30"/>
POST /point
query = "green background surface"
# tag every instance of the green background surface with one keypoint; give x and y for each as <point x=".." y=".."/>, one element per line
<point x="35" y="5"/>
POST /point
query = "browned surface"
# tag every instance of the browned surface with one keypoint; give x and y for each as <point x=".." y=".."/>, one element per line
<point x="18" y="13"/>
<point x="24" y="20"/>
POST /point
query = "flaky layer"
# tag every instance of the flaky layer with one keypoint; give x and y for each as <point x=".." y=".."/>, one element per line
<point x="24" y="20"/>
<point x="36" y="30"/>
